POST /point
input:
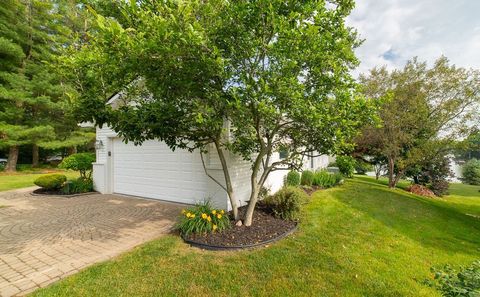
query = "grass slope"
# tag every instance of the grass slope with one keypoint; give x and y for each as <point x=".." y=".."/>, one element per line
<point x="361" y="239"/>
<point x="25" y="179"/>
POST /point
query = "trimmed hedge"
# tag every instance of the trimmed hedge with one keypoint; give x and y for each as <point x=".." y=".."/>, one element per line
<point x="51" y="181"/>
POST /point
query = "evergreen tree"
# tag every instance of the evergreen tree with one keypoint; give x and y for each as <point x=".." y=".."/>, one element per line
<point x="34" y="108"/>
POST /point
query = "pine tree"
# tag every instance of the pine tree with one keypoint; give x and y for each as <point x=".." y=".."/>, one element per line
<point x="34" y="108"/>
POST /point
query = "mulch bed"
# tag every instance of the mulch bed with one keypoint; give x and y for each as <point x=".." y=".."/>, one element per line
<point x="42" y="191"/>
<point x="310" y="190"/>
<point x="265" y="228"/>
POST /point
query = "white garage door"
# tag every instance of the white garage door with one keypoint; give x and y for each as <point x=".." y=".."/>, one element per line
<point x="152" y="170"/>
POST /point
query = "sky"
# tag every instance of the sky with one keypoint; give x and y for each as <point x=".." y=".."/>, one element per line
<point x="397" y="30"/>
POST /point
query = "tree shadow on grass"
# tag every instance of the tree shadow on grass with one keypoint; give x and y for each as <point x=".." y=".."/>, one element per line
<point x="424" y="220"/>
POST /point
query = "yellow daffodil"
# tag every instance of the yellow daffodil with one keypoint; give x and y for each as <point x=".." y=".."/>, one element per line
<point x="192" y="216"/>
<point x="188" y="214"/>
<point x="219" y="216"/>
<point x="209" y="218"/>
<point x="222" y="212"/>
<point x="214" y="227"/>
<point x="204" y="215"/>
<point x="214" y="212"/>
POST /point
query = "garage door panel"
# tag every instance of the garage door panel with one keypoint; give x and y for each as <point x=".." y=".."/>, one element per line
<point x="154" y="171"/>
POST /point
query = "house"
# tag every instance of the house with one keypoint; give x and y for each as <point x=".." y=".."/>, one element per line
<point x="154" y="171"/>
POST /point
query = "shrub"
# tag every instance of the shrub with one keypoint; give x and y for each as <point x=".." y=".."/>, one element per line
<point x="79" y="185"/>
<point x="324" y="179"/>
<point x="471" y="172"/>
<point x="51" y="181"/>
<point x="346" y="165"/>
<point x="79" y="162"/>
<point x="202" y="218"/>
<point x="286" y="203"/>
<point x="307" y="178"/>
<point x="439" y="187"/>
<point x="465" y="282"/>
<point x="2" y="166"/>
<point x="292" y="179"/>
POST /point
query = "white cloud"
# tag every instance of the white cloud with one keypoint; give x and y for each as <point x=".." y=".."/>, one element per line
<point x="397" y="30"/>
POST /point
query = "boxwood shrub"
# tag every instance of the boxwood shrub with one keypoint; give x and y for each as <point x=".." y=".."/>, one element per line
<point x="292" y="179"/>
<point x="51" y="181"/>
<point x="286" y="203"/>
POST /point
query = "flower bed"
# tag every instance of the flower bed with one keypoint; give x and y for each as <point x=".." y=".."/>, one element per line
<point x="265" y="229"/>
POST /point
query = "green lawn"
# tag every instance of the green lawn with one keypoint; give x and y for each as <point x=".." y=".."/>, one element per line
<point x="25" y="178"/>
<point x="360" y="239"/>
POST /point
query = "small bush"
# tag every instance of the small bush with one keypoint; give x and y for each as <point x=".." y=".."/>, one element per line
<point x="51" y="181"/>
<point x="465" y="282"/>
<point x="346" y="165"/>
<point x="79" y="162"/>
<point x="307" y="178"/>
<point x="324" y="179"/>
<point x="202" y="218"/>
<point x="471" y="172"/>
<point x="292" y="179"/>
<point x="79" y="185"/>
<point x="440" y="187"/>
<point x="286" y="203"/>
<point x="2" y="166"/>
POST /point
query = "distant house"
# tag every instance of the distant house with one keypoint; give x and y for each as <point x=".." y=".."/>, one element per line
<point x="153" y="170"/>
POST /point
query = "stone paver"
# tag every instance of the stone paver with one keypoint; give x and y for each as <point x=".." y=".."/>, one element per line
<point x="46" y="238"/>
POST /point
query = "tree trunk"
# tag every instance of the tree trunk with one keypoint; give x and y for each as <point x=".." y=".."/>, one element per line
<point x="228" y="181"/>
<point x="378" y="171"/>
<point x="255" y="188"/>
<point x="397" y="178"/>
<point x="247" y="221"/>
<point x="12" y="159"/>
<point x="391" y="174"/>
<point x="35" y="160"/>
<point x="72" y="150"/>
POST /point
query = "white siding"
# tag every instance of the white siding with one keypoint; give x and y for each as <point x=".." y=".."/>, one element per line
<point x="152" y="170"/>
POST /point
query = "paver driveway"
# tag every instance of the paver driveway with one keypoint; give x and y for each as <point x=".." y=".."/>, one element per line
<point x="43" y="239"/>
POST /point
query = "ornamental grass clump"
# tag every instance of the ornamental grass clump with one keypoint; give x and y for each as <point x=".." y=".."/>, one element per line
<point x="202" y="218"/>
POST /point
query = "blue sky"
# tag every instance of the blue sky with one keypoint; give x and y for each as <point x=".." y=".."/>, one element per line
<point x="397" y="30"/>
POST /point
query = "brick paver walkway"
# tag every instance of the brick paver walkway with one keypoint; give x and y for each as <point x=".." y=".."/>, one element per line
<point x="43" y="239"/>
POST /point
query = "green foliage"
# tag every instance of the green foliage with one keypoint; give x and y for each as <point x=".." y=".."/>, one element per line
<point x="292" y="179"/>
<point x="202" y="218"/>
<point x="346" y="165"/>
<point x="262" y="82"/>
<point x="362" y="167"/>
<point x="51" y="181"/>
<point x="325" y="179"/>
<point x="81" y="162"/>
<point x="462" y="283"/>
<point x="415" y="125"/>
<point x="307" y="178"/>
<point x="471" y="172"/>
<point x="79" y="185"/>
<point x="287" y="202"/>
<point x="34" y="105"/>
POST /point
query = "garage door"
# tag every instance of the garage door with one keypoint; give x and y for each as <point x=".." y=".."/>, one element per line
<point x="152" y="170"/>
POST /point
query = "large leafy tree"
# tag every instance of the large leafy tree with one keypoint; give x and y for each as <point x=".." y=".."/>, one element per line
<point x="248" y="78"/>
<point x="424" y="112"/>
